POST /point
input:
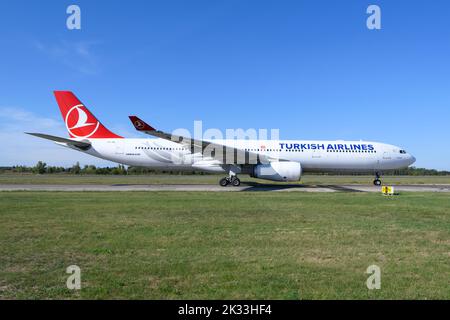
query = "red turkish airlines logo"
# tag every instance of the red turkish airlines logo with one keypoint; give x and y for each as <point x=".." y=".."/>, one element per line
<point x="80" y="123"/>
<point x="138" y="124"/>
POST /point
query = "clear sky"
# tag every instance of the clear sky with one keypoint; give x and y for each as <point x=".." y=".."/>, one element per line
<point x="310" y="68"/>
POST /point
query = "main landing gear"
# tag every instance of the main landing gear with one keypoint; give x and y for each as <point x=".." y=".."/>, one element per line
<point x="233" y="180"/>
<point x="377" y="180"/>
<point x="232" y="177"/>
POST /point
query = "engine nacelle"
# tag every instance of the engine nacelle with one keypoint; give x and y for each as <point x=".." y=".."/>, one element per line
<point x="278" y="171"/>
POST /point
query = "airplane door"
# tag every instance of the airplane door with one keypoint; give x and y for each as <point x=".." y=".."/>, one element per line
<point x="386" y="156"/>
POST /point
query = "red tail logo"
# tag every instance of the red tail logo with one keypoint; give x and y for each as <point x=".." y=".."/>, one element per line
<point x="80" y="122"/>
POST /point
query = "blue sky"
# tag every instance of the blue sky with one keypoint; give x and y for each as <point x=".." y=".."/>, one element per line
<point x="310" y="68"/>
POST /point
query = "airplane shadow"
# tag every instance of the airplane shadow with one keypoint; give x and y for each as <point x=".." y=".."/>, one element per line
<point x="255" y="186"/>
<point x="341" y="188"/>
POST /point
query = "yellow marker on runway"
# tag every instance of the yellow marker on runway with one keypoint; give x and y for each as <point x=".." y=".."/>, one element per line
<point x="387" y="190"/>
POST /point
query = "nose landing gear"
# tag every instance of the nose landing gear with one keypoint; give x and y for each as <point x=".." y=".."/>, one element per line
<point x="377" y="180"/>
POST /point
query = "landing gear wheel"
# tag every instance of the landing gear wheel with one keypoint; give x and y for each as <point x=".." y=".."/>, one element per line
<point x="236" y="182"/>
<point x="224" y="182"/>
<point x="377" y="182"/>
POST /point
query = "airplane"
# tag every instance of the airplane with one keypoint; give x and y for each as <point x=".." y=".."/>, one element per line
<point x="274" y="160"/>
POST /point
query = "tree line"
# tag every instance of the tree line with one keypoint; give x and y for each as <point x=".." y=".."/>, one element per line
<point x="42" y="168"/>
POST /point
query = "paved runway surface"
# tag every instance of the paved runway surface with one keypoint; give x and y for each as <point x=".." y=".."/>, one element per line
<point x="243" y="187"/>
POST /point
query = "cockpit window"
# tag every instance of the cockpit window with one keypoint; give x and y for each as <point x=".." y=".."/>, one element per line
<point x="402" y="151"/>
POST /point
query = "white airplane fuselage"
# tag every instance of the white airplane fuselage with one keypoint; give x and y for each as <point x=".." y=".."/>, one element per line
<point x="314" y="156"/>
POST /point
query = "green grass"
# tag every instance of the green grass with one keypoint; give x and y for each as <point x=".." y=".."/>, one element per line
<point x="206" y="179"/>
<point x="224" y="245"/>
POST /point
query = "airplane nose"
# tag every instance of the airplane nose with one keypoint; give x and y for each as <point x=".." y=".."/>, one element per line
<point x="412" y="159"/>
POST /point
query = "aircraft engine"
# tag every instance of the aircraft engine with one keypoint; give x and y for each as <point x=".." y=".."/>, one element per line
<point x="278" y="171"/>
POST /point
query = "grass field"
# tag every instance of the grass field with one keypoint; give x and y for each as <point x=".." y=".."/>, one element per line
<point x="206" y="179"/>
<point x="229" y="245"/>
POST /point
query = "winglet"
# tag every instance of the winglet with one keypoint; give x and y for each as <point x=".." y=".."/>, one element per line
<point x="140" y="125"/>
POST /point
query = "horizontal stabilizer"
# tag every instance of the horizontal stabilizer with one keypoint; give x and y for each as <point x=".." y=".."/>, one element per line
<point x="84" y="145"/>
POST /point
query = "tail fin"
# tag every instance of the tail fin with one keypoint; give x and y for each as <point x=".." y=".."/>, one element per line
<point x="80" y="122"/>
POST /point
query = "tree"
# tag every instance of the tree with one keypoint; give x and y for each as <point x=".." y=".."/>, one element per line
<point x="40" y="167"/>
<point x="76" y="169"/>
<point x="120" y="169"/>
<point x="89" y="169"/>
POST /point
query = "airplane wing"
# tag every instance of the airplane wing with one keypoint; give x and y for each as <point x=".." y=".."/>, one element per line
<point x="83" y="145"/>
<point x="216" y="150"/>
